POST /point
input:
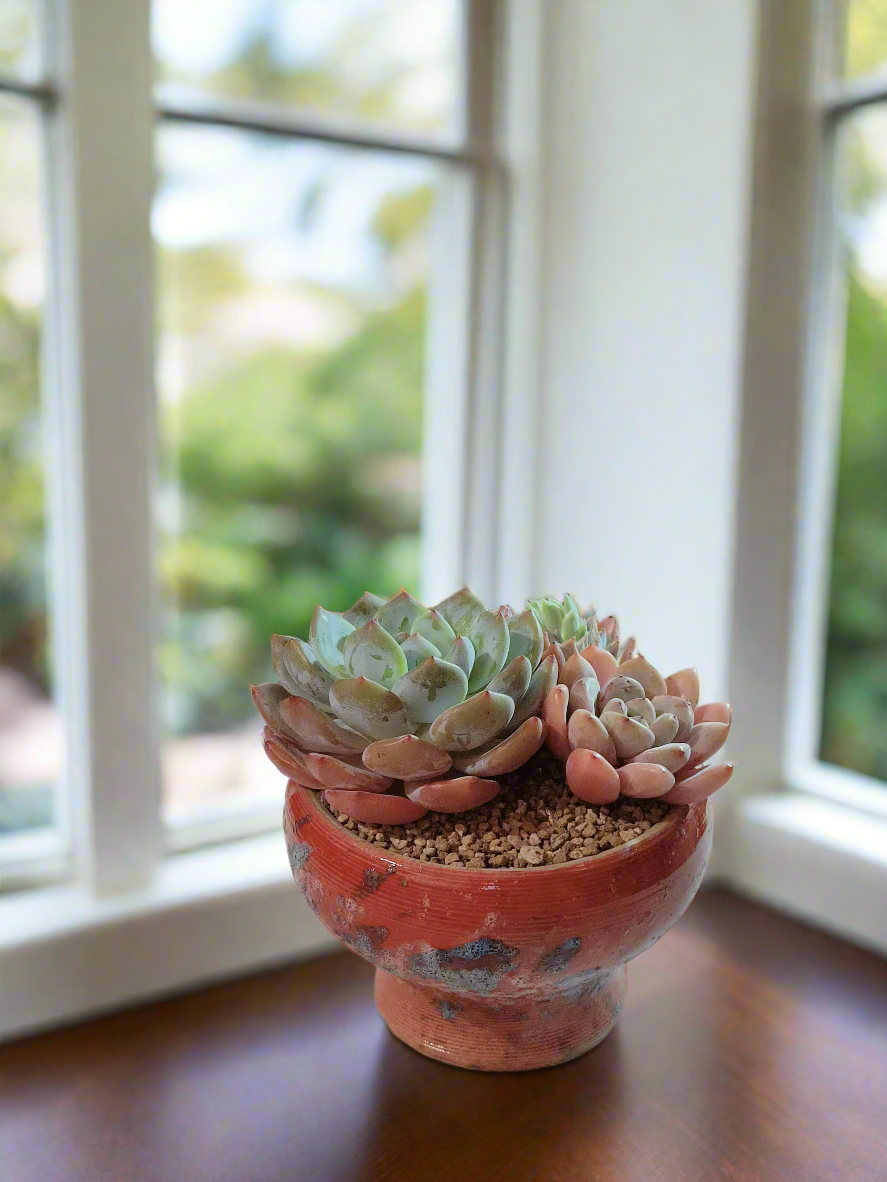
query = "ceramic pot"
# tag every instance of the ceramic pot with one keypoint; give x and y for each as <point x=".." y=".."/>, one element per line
<point x="497" y="970"/>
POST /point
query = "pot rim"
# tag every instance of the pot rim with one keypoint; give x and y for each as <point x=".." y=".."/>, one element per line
<point x="657" y="833"/>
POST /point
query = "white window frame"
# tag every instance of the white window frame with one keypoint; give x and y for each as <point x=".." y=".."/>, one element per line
<point x="800" y="834"/>
<point x="131" y="921"/>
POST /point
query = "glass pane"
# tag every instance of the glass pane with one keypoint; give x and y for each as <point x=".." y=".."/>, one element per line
<point x="292" y="313"/>
<point x="863" y="24"/>
<point x="854" y="731"/>
<point x="30" y="735"/>
<point x="390" y="62"/>
<point x="18" y="38"/>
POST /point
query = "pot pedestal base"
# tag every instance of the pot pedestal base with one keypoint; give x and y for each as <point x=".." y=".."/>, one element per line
<point x="502" y="1033"/>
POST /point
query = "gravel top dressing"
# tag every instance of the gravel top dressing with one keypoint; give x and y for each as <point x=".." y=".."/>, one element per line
<point x="534" y="821"/>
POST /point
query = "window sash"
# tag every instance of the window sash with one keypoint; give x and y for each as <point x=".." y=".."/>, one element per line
<point x="834" y="100"/>
<point x="791" y="414"/>
<point x="101" y="113"/>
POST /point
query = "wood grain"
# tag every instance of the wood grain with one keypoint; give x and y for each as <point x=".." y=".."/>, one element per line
<point x="751" y="1050"/>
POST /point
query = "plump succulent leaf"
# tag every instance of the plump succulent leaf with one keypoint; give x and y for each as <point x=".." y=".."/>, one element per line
<point x="644" y="780"/>
<point x="629" y="736"/>
<point x="267" y="698"/>
<point x="544" y="679"/>
<point x="672" y="756"/>
<point x="460" y="610"/>
<point x="365" y="608"/>
<point x="472" y="723"/>
<point x="684" y="684"/>
<point x="561" y="619"/>
<point x="374" y="808"/>
<point x="572" y="625"/>
<point x="370" y="708"/>
<point x="299" y="672"/>
<point x="642" y="671"/>
<point x="642" y="709"/>
<point x="461" y="653"/>
<point x="434" y="627"/>
<point x="315" y="731"/>
<point x="525" y="638"/>
<point x="588" y="732"/>
<point x="397" y="614"/>
<point x="335" y="773"/>
<point x="327" y="636"/>
<point x="505" y="755"/>
<point x="454" y="796"/>
<point x="417" y="649"/>
<point x="665" y="729"/>
<point x="489" y="635"/>
<point x="576" y="668"/>
<point x="583" y="693"/>
<point x="513" y="680"/>
<point x="431" y="688"/>
<point x="699" y="785"/>
<point x="554" y="715"/>
<point x="603" y="662"/>
<point x="625" y="688"/>
<point x="549" y="612"/>
<point x="372" y="652"/>
<point x="591" y="777"/>
<point x="680" y="708"/>
<point x="407" y="758"/>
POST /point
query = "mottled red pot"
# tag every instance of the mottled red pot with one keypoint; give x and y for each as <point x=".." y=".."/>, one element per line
<point x="498" y="970"/>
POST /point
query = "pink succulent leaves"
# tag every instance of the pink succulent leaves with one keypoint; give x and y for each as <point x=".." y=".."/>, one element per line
<point x="619" y="725"/>
<point x="392" y="708"/>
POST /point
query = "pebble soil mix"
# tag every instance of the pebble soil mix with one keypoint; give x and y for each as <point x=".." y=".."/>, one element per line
<point x="534" y="821"/>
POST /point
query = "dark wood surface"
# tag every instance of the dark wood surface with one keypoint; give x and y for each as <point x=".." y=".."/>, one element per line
<point x="750" y="1049"/>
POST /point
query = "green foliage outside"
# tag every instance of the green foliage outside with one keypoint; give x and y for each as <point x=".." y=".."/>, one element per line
<point x="855" y="703"/>
<point x="290" y="474"/>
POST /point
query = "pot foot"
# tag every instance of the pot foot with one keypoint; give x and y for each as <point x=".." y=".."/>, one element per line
<point x="502" y="1033"/>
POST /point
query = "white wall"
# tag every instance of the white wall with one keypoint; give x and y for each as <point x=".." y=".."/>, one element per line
<point x="647" y="117"/>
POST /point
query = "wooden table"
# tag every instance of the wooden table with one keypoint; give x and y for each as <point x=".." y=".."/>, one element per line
<point x="750" y="1049"/>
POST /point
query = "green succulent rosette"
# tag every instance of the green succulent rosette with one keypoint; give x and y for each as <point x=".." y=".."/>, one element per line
<point x="423" y="706"/>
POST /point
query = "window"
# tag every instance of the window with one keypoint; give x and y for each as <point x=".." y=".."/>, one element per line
<point x="840" y="729"/>
<point x="31" y="736"/>
<point x="242" y="336"/>
<point x="854" y="717"/>
<point x="807" y="829"/>
<point x="293" y="309"/>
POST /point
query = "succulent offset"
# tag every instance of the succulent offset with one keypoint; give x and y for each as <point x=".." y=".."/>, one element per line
<point x="620" y="726"/>
<point x="393" y="708"/>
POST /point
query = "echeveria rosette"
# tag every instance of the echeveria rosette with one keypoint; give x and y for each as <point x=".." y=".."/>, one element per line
<point x="618" y="724"/>
<point x="393" y="708"/>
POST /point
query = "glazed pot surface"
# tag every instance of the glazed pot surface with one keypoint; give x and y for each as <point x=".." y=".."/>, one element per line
<point x="497" y="970"/>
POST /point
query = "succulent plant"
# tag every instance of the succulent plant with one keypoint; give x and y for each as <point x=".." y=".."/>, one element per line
<point x="620" y="726"/>
<point x="393" y="708"/>
<point x="568" y="630"/>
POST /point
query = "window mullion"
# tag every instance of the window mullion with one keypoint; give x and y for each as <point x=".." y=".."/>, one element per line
<point x="103" y="304"/>
<point x="482" y="443"/>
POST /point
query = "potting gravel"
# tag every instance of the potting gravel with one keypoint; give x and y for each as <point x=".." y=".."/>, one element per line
<point x="534" y="821"/>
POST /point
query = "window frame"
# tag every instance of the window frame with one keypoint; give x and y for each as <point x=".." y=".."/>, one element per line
<point x="802" y="835"/>
<point x="100" y="113"/>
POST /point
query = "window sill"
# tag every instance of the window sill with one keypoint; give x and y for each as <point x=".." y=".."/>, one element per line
<point x="205" y="915"/>
<point x="813" y="858"/>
